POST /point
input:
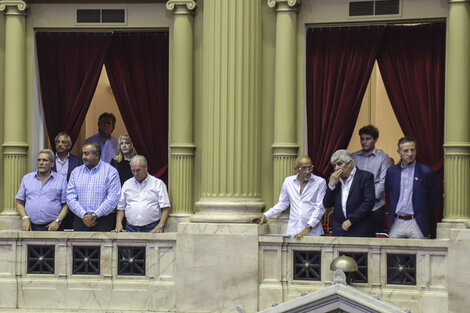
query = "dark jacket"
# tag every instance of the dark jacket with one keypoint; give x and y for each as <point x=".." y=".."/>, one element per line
<point x="425" y="195"/>
<point x="361" y="200"/>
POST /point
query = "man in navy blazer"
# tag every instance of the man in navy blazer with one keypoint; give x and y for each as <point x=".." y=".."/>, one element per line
<point x="412" y="194"/>
<point x="65" y="162"/>
<point x="353" y="198"/>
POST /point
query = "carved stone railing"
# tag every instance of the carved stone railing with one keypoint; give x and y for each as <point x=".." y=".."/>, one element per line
<point x="408" y="273"/>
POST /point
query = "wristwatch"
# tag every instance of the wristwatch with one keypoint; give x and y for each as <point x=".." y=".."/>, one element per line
<point x="95" y="217"/>
<point x="161" y="225"/>
<point x="309" y="227"/>
<point x="58" y="221"/>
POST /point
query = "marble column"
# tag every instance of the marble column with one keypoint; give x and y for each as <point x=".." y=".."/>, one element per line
<point x="181" y="110"/>
<point x="457" y="115"/>
<point x="15" y="147"/>
<point x="285" y="83"/>
<point x="230" y="152"/>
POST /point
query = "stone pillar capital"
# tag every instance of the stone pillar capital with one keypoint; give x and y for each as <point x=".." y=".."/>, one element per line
<point x="181" y="6"/>
<point x="19" y="7"/>
<point x="458" y="1"/>
<point x="284" y="5"/>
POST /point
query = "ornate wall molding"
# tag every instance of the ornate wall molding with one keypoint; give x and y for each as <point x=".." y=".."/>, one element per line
<point x="189" y="4"/>
<point x="21" y="6"/>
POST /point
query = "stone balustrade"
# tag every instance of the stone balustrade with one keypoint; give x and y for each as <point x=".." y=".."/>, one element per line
<point x="222" y="265"/>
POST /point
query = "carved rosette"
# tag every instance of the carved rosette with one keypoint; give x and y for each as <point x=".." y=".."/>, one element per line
<point x="284" y="5"/>
<point x="19" y="5"/>
<point x="189" y="4"/>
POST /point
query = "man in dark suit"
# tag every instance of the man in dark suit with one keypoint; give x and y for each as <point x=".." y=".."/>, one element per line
<point x="412" y="194"/>
<point x="352" y="199"/>
<point x="64" y="164"/>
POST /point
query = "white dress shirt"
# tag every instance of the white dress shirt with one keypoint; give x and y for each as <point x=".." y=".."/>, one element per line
<point x="305" y="209"/>
<point x="142" y="202"/>
<point x="345" y="187"/>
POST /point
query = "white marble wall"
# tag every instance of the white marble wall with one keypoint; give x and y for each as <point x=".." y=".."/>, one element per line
<point x="209" y="267"/>
<point x="429" y="294"/>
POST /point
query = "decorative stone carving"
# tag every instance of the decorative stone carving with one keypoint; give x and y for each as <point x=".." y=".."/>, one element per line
<point x="190" y="4"/>
<point x="339" y="278"/>
<point x="20" y="5"/>
<point x="291" y="3"/>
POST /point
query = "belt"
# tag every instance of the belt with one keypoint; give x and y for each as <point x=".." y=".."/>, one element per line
<point x="406" y="217"/>
<point x="151" y="224"/>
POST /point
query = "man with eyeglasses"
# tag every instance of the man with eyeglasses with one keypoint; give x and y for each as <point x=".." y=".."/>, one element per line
<point x="304" y="194"/>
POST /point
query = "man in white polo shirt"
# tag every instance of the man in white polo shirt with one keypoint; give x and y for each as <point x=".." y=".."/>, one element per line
<point x="144" y="201"/>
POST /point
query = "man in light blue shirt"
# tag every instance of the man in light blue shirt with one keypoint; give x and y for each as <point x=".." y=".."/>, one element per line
<point x="41" y="199"/>
<point x="109" y="145"/>
<point x="93" y="192"/>
<point x="376" y="162"/>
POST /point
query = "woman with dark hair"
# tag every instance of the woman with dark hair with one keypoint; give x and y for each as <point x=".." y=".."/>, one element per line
<point x="121" y="161"/>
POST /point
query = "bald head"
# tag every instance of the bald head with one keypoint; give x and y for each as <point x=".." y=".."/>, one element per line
<point x="303" y="159"/>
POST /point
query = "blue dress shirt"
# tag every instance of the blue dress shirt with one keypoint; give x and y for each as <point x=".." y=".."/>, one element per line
<point x="405" y="202"/>
<point x="93" y="191"/>
<point x="43" y="202"/>
<point x="109" y="149"/>
<point x="377" y="163"/>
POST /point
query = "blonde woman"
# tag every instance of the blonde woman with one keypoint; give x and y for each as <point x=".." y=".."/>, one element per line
<point x="121" y="161"/>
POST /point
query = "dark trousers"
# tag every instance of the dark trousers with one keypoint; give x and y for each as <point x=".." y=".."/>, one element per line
<point x="104" y="223"/>
<point x="141" y="229"/>
<point x="43" y="227"/>
<point x="379" y="219"/>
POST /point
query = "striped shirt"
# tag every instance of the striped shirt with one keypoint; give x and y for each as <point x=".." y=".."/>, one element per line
<point x="93" y="191"/>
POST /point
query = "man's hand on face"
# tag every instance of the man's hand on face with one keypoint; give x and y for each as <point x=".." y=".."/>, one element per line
<point x="334" y="177"/>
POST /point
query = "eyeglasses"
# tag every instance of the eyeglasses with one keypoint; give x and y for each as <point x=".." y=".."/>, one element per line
<point x="305" y="168"/>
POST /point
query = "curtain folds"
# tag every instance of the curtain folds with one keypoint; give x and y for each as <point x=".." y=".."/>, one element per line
<point x="339" y="62"/>
<point x="69" y="68"/>
<point x="412" y="64"/>
<point x="137" y="66"/>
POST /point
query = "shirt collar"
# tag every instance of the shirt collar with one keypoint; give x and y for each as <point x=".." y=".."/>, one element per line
<point x="309" y="179"/>
<point x="411" y="166"/>
<point x="144" y="181"/>
<point x="351" y="176"/>
<point x="57" y="156"/>
<point x="374" y="152"/>
<point x="51" y="175"/>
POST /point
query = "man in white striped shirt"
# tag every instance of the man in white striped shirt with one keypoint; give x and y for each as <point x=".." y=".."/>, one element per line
<point x="304" y="194"/>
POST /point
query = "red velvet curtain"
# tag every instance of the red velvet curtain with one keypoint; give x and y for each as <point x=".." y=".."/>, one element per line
<point x="339" y="62"/>
<point x="69" y="68"/>
<point x="137" y="66"/>
<point x="412" y="63"/>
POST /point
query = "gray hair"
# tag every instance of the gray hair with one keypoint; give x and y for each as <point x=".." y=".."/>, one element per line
<point x="49" y="152"/>
<point x="139" y="158"/>
<point x="69" y="140"/>
<point x="95" y="147"/>
<point x="342" y="155"/>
